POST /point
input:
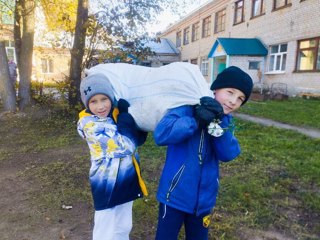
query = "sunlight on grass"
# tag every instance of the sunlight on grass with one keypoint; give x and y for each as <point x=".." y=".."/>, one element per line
<point x="296" y="111"/>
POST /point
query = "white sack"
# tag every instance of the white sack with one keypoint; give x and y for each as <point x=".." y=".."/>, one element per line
<point x="152" y="91"/>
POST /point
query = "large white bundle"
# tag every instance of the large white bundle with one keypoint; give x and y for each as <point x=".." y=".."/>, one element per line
<point x="152" y="91"/>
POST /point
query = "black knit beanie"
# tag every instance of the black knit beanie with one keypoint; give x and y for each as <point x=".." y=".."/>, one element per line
<point x="234" y="77"/>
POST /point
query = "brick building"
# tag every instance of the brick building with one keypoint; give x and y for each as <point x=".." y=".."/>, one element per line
<point x="276" y="41"/>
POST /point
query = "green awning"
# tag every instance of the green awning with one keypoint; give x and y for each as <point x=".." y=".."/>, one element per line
<point x="239" y="46"/>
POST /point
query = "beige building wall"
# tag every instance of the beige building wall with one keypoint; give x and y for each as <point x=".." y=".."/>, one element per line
<point x="50" y="65"/>
<point x="299" y="20"/>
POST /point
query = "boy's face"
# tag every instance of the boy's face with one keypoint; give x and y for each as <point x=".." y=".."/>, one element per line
<point x="100" y="105"/>
<point x="229" y="98"/>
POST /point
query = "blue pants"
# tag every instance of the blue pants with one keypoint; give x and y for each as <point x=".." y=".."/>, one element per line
<point x="170" y="221"/>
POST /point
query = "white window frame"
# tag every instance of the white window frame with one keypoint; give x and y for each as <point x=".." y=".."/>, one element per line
<point x="204" y="66"/>
<point x="48" y="66"/>
<point x="277" y="60"/>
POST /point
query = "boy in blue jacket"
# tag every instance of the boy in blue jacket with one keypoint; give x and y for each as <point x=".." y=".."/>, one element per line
<point x="190" y="178"/>
<point x="114" y="173"/>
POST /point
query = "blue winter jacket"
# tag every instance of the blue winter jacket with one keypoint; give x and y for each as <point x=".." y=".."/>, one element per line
<point x="190" y="177"/>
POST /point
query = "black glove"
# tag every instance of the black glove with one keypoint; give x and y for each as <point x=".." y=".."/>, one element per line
<point x="203" y="116"/>
<point x="212" y="105"/>
<point x="123" y="105"/>
<point x="127" y="126"/>
<point x="142" y="137"/>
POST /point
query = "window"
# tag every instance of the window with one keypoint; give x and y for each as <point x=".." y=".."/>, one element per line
<point x="204" y="66"/>
<point x="186" y="36"/>
<point x="206" y="27"/>
<point x="195" y="32"/>
<point x="308" y="55"/>
<point x="10" y="50"/>
<point x="258" y="8"/>
<point x="239" y="12"/>
<point x="194" y="61"/>
<point x="254" y="65"/>
<point x="46" y="65"/>
<point x="178" y="39"/>
<point x="220" y="21"/>
<point x="281" y="3"/>
<point x="278" y="58"/>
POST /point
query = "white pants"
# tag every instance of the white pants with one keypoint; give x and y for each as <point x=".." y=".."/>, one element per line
<point x="113" y="223"/>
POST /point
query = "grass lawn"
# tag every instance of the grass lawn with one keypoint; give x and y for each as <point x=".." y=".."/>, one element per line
<point x="274" y="186"/>
<point x="295" y="111"/>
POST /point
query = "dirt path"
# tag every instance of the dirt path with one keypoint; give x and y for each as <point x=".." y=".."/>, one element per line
<point x="20" y="217"/>
<point x="21" y="220"/>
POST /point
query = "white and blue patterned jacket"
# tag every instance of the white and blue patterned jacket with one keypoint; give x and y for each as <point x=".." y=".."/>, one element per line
<point x="113" y="177"/>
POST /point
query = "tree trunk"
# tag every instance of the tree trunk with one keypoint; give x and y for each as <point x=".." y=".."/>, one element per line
<point x="6" y="87"/>
<point x="17" y="31"/>
<point x="25" y="62"/>
<point x="77" y="53"/>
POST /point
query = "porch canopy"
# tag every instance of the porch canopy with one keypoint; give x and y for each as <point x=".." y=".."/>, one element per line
<point x="238" y="46"/>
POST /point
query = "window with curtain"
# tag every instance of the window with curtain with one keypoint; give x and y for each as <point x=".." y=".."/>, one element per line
<point x="281" y="3"/>
<point x="178" y="39"/>
<point x="195" y="31"/>
<point x="206" y="27"/>
<point x="239" y="12"/>
<point x="308" y="55"/>
<point x="46" y="65"/>
<point x="258" y="8"/>
<point x="220" y="21"/>
<point x="186" y="33"/>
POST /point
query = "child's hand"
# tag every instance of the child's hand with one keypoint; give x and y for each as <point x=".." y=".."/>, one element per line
<point x="212" y="105"/>
<point x="203" y="116"/>
<point x="123" y="105"/>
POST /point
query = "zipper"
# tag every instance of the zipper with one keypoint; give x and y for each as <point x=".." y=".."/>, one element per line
<point x="200" y="163"/>
<point x="201" y="147"/>
<point x="175" y="181"/>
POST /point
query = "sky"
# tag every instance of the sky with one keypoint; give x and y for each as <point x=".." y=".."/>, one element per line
<point x="167" y="18"/>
